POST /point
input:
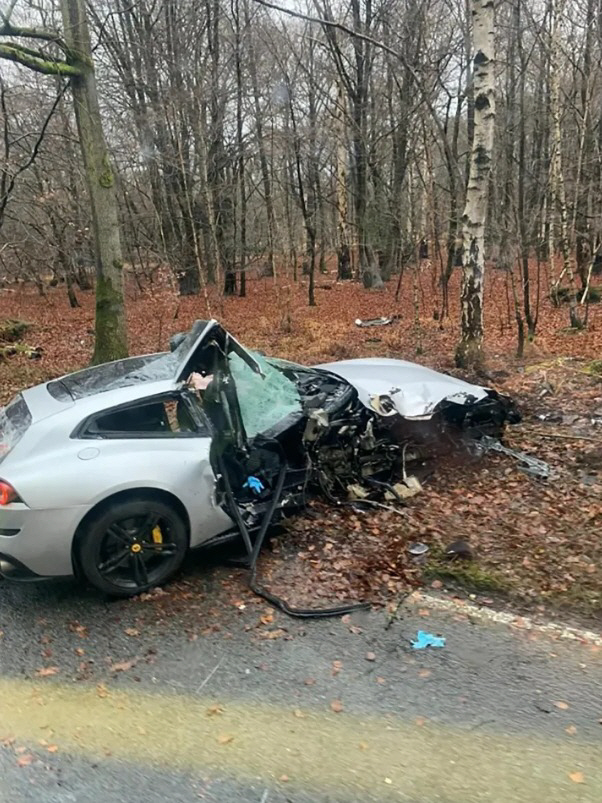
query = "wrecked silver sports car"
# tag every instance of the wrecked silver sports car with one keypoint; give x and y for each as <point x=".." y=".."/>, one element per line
<point x="114" y="472"/>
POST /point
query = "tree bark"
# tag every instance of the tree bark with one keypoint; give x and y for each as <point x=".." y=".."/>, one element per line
<point x="111" y="336"/>
<point x="557" y="164"/>
<point x="470" y="348"/>
<point x="342" y="207"/>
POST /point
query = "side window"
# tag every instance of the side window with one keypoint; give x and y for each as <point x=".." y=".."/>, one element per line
<point x="166" y="417"/>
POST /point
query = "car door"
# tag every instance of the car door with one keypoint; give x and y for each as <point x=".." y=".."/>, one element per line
<point x="158" y="442"/>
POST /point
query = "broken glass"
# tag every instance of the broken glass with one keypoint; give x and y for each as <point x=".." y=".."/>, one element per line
<point x="264" y="400"/>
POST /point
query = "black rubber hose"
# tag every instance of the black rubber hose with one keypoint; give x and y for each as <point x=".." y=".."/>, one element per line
<point x="253" y="552"/>
<point x="244" y="531"/>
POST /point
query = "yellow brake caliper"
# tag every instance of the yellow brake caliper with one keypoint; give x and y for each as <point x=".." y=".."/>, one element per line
<point x="157" y="535"/>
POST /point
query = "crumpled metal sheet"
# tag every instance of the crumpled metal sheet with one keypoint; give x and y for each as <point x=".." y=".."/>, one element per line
<point x="411" y="390"/>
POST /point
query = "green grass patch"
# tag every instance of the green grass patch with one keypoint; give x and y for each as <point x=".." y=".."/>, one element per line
<point x="12" y="330"/>
<point x="468" y="575"/>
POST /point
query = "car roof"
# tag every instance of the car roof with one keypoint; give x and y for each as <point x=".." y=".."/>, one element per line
<point x="42" y="404"/>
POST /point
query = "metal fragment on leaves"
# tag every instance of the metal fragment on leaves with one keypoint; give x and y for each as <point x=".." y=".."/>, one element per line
<point x="530" y="465"/>
<point x="369" y="322"/>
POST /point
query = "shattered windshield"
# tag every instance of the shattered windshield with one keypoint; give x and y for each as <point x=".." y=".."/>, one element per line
<point x="264" y="400"/>
<point x="15" y="419"/>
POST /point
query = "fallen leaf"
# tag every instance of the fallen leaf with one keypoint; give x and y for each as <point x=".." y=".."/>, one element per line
<point x="24" y="760"/>
<point x="225" y="738"/>
<point x="101" y="690"/>
<point x="46" y="671"/>
<point x="571" y="730"/>
<point x="388" y="780"/>
<point x="52" y="748"/>
<point x="123" y="666"/>
<point x="214" y="710"/>
<point x="562" y="705"/>
<point x="424" y="673"/>
<point x="436" y="584"/>
<point x="310" y="681"/>
<point x="273" y="634"/>
<point x="424" y="612"/>
<point x="284" y="778"/>
<point x="336" y="667"/>
<point x="380" y="680"/>
<point x="370" y="656"/>
<point x="420" y="721"/>
<point x="80" y="651"/>
<point x="131" y="631"/>
<point x="577" y="777"/>
<point x="336" y="706"/>
<point x="299" y="714"/>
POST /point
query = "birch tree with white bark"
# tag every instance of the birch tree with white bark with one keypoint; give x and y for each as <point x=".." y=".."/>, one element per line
<point x="470" y="348"/>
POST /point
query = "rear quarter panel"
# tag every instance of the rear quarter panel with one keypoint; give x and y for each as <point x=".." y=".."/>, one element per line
<point x="60" y="472"/>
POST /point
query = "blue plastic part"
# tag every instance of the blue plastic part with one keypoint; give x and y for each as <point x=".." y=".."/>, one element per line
<point x="255" y="484"/>
<point x="424" y="640"/>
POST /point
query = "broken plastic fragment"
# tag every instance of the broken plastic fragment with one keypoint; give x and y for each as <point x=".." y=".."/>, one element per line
<point x="406" y="489"/>
<point x="418" y="549"/>
<point x="357" y="491"/>
<point x="424" y="640"/>
<point x="373" y="322"/>
<point x="383" y="405"/>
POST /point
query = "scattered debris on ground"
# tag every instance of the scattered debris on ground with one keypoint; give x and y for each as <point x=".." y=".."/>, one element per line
<point x="531" y="539"/>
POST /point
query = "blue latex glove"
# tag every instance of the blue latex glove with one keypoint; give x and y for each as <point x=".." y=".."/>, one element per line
<point x="254" y="484"/>
<point x="424" y="640"/>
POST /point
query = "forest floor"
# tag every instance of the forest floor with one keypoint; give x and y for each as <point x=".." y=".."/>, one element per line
<point x="536" y="543"/>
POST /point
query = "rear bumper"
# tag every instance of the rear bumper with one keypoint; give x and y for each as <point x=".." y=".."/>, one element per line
<point x="36" y="544"/>
<point x="12" y="569"/>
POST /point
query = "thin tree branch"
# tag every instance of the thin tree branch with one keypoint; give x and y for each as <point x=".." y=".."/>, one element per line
<point x="376" y="43"/>
<point x="6" y="15"/>
<point x="45" y="34"/>
<point x="34" y="152"/>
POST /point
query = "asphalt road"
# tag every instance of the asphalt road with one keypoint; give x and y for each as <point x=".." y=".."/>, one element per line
<point x="205" y="694"/>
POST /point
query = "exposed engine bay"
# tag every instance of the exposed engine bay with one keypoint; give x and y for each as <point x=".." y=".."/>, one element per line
<point x="280" y="431"/>
<point x="268" y="413"/>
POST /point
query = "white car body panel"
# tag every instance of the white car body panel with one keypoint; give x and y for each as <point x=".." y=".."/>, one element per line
<point x="414" y="389"/>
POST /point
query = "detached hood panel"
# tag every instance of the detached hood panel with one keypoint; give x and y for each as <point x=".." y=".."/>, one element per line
<point x="414" y="390"/>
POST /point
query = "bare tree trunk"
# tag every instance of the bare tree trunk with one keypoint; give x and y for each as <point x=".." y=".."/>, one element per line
<point x="470" y="348"/>
<point x="557" y="163"/>
<point x="111" y="336"/>
<point x="342" y="207"/>
<point x="263" y="160"/>
<point x="240" y="166"/>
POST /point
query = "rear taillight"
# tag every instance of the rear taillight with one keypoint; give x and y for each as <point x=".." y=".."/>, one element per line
<point x="8" y="494"/>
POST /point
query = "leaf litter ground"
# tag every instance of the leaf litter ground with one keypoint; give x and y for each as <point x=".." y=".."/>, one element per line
<point x="534" y="541"/>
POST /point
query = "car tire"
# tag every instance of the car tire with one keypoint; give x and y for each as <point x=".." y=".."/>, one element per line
<point x="132" y="546"/>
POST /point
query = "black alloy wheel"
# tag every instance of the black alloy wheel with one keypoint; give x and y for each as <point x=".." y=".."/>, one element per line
<point x="133" y="546"/>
